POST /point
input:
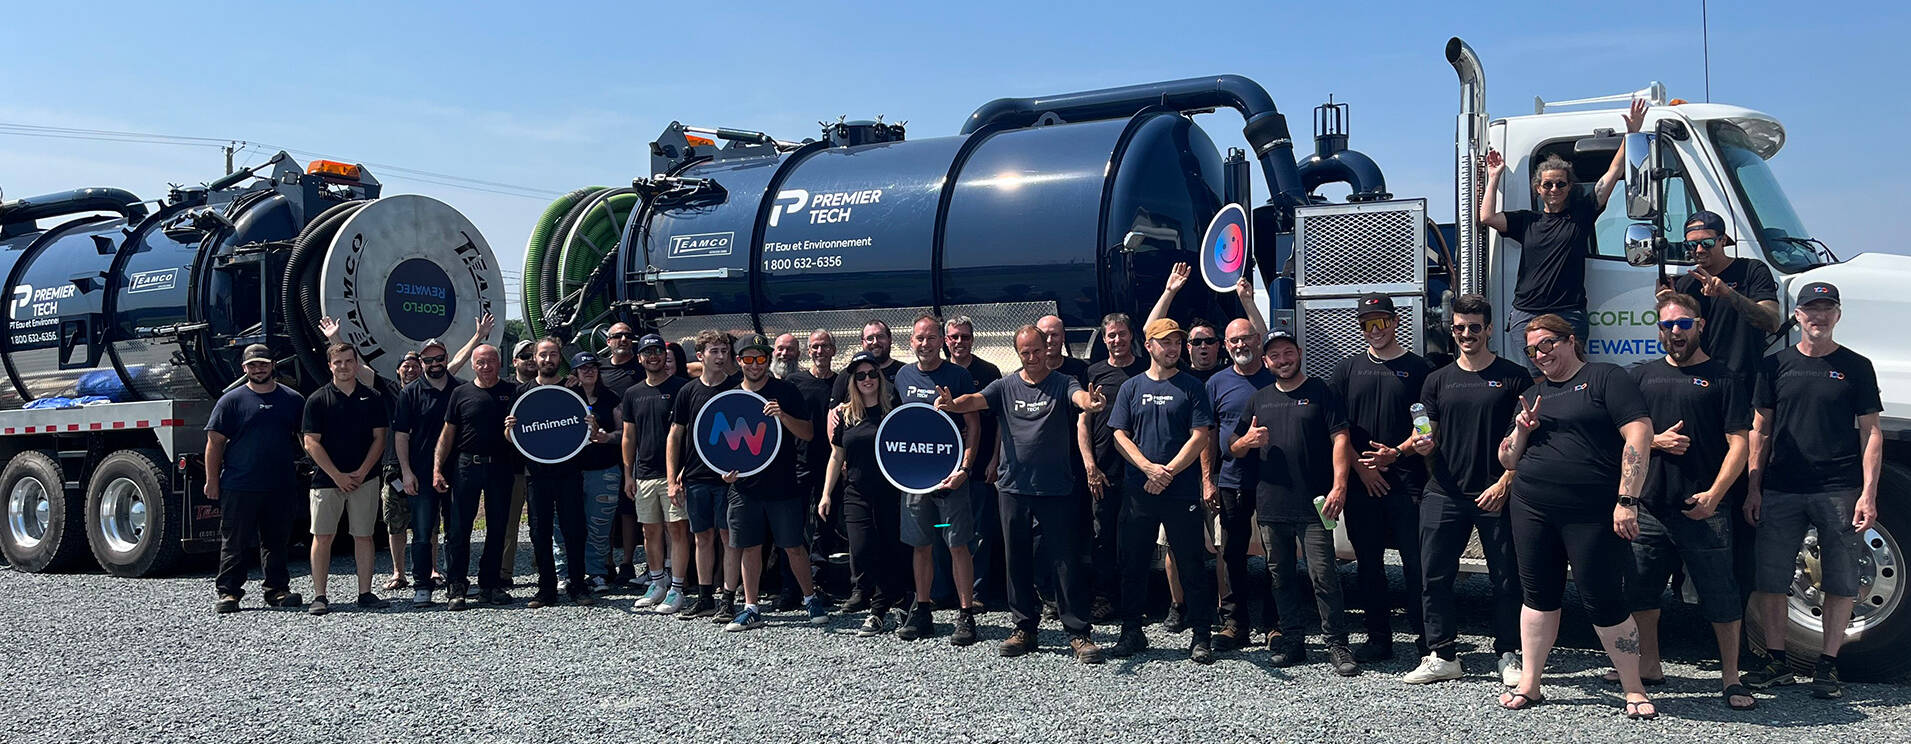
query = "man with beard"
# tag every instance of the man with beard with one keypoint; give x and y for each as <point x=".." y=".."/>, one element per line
<point x="958" y="339"/>
<point x="944" y="514"/>
<point x="814" y="383"/>
<point x="694" y="487"/>
<point x="876" y="341"/>
<point x="620" y="368"/>
<point x="1105" y="472"/>
<point x="1204" y="357"/>
<point x="766" y="508"/>
<point x="1379" y="386"/>
<point x="786" y="358"/>
<point x="418" y="420"/>
<point x="251" y="442"/>
<point x="556" y="498"/>
<point x="1703" y="413"/>
<point x="482" y="473"/>
<point x="646" y="416"/>
<point x="1230" y="391"/>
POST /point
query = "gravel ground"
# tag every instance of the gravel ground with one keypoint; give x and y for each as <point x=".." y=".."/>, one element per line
<point x="93" y="658"/>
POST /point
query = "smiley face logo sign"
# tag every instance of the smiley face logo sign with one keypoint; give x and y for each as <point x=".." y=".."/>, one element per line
<point x="917" y="446"/>
<point x="1224" y="249"/>
<point x="732" y="433"/>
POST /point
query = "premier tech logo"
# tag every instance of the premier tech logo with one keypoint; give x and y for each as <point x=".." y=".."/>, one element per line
<point x="701" y="244"/>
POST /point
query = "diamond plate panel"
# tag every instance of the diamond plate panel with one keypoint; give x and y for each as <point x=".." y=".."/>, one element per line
<point x="1343" y="249"/>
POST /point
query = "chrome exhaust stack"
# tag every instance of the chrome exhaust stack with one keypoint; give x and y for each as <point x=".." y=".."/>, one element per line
<point x="1469" y="167"/>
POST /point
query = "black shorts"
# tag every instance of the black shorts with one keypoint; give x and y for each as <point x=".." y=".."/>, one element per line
<point x="755" y="521"/>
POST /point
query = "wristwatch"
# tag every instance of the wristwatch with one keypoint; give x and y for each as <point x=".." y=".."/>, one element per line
<point x="1629" y="502"/>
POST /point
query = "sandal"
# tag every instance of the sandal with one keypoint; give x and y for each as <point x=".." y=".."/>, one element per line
<point x="1611" y="677"/>
<point x="1634" y="710"/>
<point x="397" y="582"/>
<point x="1733" y="691"/>
<point x="1521" y="701"/>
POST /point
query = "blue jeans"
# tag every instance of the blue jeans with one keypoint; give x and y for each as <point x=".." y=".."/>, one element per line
<point x="426" y="505"/>
<point x="602" y="489"/>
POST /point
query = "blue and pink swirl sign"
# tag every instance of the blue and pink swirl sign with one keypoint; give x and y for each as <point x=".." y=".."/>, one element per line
<point x="732" y="433"/>
<point x="1224" y="249"/>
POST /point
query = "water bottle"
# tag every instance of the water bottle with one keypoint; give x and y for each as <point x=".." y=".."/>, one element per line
<point x="1421" y="424"/>
<point x="1320" y="509"/>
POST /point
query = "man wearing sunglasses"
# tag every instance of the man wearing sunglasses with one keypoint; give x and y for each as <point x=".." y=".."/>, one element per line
<point x="416" y="424"/>
<point x="620" y="368"/>
<point x="1556" y="239"/>
<point x="1232" y="392"/>
<point x="524" y="366"/>
<point x="958" y="339"/>
<point x="766" y="508"/>
<point x="1736" y="296"/>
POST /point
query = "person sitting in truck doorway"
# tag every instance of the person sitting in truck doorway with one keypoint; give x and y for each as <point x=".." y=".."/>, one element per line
<point x="1556" y="239"/>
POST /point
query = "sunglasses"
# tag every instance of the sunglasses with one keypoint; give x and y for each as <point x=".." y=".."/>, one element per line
<point x="1545" y="346"/>
<point x="615" y="336"/>
<point x="1203" y="341"/>
<point x="1374" y="324"/>
<point x="1553" y="185"/>
<point x="1707" y="243"/>
<point x="524" y="357"/>
<point x="866" y="375"/>
<point x="754" y="359"/>
<point x="1683" y="324"/>
<point x="1471" y="329"/>
<point x="433" y="359"/>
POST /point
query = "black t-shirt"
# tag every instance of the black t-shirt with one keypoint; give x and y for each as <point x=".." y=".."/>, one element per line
<point x="607" y="454"/>
<point x="1297" y="462"/>
<point x="1816" y="402"/>
<point x="647" y="409"/>
<point x="421" y="417"/>
<point x="982" y="372"/>
<point x="262" y="438"/>
<point x="839" y="391"/>
<point x="778" y="481"/>
<point x="1205" y="374"/>
<point x="1711" y="402"/>
<point x="1378" y="396"/>
<point x="860" y="470"/>
<point x="813" y="457"/>
<point x="478" y="413"/>
<point x="1470" y="411"/>
<point x="1572" y="459"/>
<point x="1553" y="251"/>
<point x="346" y="424"/>
<point x="619" y="377"/>
<point x="683" y="412"/>
<point x="1158" y="416"/>
<point x="389" y="388"/>
<point x="1036" y="424"/>
<point x="1728" y="337"/>
<point x="1100" y="437"/>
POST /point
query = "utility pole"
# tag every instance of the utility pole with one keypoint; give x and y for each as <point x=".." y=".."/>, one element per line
<point x="230" y="148"/>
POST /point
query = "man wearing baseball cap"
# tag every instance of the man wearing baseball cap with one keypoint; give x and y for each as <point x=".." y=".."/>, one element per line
<point x="251" y="442"/>
<point x="645" y="417"/>
<point x="600" y="466"/>
<point x="416" y="423"/>
<point x="1816" y="454"/>
<point x="766" y="507"/>
<point x="1737" y="297"/>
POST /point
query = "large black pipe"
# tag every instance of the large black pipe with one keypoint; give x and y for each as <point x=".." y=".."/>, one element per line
<point x="1266" y="128"/>
<point x="1350" y="167"/>
<point x="40" y="207"/>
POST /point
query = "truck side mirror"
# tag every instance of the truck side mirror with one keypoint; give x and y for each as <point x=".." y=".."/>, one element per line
<point x="1644" y="246"/>
<point x="1645" y="185"/>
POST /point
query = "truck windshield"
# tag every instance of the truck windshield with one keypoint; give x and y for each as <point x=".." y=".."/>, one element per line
<point x="1781" y="234"/>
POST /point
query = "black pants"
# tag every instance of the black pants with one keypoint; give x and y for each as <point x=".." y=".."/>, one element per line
<point x="1105" y="566"/>
<point x="1549" y="540"/>
<point x="1237" y="523"/>
<point x="556" y="499"/>
<point x="1316" y="543"/>
<point x="1143" y="515"/>
<point x="879" y="564"/>
<point x="489" y="484"/>
<point x="1054" y="552"/>
<point x="1374" y="524"/>
<point x="987" y="548"/>
<point x="249" y="521"/>
<point x="1445" y="524"/>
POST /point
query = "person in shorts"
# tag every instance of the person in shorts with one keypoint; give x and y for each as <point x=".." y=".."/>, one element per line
<point x="945" y="514"/>
<point x="344" y="426"/>
<point x="766" y="507"/>
<point x="694" y="487"/>
<point x="646" y="416"/>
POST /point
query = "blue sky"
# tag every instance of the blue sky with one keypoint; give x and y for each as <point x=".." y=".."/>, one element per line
<point x="567" y="94"/>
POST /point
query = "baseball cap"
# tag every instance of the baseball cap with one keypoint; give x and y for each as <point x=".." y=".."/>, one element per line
<point x="430" y="342"/>
<point x="1278" y="335"/>
<point x="1162" y="328"/>
<point x="409" y="355"/>
<point x="257" y="353"/>
<point x="582" y="358"/>
<point x="753" y="341"/>
<point x="1816" y="291"/>
<point x="521" y="347"/>
<point x="1706" y="219"/>
<point x="650" y="341"/>
<point x="859" y="358"/>
<point x="1375" y="303"/>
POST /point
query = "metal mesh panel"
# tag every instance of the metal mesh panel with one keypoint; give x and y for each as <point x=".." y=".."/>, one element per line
<point x="1330" y="331"/>
<point x="684" y="329"/>
<point x="1355" y="248"/>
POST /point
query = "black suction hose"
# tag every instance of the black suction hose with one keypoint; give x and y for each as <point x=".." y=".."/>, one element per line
<point x="300" y="321"/>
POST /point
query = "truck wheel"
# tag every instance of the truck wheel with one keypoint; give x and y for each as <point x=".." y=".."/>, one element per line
<point x="132" y="514"/>
<point x="42" y="530"/>
<point x="1881" y="619"/>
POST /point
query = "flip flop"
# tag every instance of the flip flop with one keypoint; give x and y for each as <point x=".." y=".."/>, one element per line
<point x="1611" y="677"/>
<point x="1739" y="691"/>
<point x="1522" y="701"/>
<point x="397" y="582"/>
<point x="1633" y="712"/>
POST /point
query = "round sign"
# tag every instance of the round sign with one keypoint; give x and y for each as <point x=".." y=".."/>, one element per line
<point x="1224" y="249"/>
<point x="917" y="446"/>
<point x="732" y="433"/>
<point x="419" y="299"/>
<point x="406" y="268"/>
<point x="552" y="424"/>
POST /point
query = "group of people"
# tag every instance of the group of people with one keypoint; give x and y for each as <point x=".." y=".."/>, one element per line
<point x="1205" y="440"/>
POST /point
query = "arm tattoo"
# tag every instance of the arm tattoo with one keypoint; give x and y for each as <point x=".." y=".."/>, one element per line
<point x="1634" y="472"/>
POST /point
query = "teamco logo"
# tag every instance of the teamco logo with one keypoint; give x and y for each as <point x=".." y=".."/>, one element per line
<point x="701" y="244"/>
<point x="736" y="433"/>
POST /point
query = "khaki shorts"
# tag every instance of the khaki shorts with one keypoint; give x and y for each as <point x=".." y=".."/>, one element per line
<point x="359" y="507"/>
<point x="653" y="503"/>
<point x="397" y="511"/>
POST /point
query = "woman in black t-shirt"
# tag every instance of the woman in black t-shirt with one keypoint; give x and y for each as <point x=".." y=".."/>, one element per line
<point x="1579" y="445"/>
<point x="872" y="507"/>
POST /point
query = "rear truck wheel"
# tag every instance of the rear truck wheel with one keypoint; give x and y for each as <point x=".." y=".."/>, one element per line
<point x="43" y="529"/>
<point x="133" y="515"/>
<point x="1880" y="630"/>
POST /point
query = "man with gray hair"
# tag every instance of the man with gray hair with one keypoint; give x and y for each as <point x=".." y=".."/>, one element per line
<point x="785" y="358"/>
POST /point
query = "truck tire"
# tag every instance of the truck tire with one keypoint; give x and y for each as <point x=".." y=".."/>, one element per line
<point x="1880" y="627"/>
<point x="43" y="530"/>
<point x="132" y="515"/>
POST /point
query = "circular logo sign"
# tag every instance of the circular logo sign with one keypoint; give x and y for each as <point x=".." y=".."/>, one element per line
<point x="419" y="299"/>
<point x="551" y="424"/>
<point x="732" y="433"/>
<point x="1224" y="249"/>
<point x="917" y="446"/>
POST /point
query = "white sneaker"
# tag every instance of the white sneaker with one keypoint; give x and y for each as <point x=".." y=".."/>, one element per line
<point x="1434" y="669"/>
<point x="598" y="585"/>
<point x="1510" y="669"/>
<point x="654" y="595"/>
<point x="673" y="601"/>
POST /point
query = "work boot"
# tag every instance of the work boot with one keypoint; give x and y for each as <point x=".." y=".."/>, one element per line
<point x="1019" y="642"/>
<point x="1130" y="642"/>
<point x="1085" y="649"/>
<point x="964" y="628"/>
<point x="1233" y="635"/>
<point x="1200" y="650"/>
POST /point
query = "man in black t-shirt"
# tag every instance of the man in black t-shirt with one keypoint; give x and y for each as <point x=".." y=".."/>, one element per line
<point x="958" y="339"/>
<point x="693" y="486"/>
<point x="1702" y="412"/>
<point x="1105" y="470"/>
<point x="251" y="443"/>
<point x="344" y="426"/>
<point x="814" y="382"/>
<point x="1736" y="296"/>
<point x="1379" y="387"/>
<point x="765" y="507"/>
<point x="620" y="368"/>
<point x="1815" y="462"/>
<point x="482" y="472"/>
<point x="418" y="419"/>
<point x="876" y="341"/>
<point x="1556" y="240"/>
<point x="554" y="497"/>
<point x="941" y="519"/>
<point x="645" y="413"/>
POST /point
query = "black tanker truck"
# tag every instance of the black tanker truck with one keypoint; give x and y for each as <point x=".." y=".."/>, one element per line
<point x="125" y="321"/>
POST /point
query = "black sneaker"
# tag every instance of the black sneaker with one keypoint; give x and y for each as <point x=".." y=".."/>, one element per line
<point x="964" y="628"/>
<point x="726" y="609"/>
<point x="1233" y="635"/>
<point x="457" y="603"/>
<point x="1199" y="650"/>
<point x="319" y="606"/>
<point x="1101" y="610"/>
<point x="500" y="597"/>
<point x="1050" y="610"/>
<point x="1824" y="682"/>
<point x="1085" y="649"/>
<point x="541" y="601"/>
<point x="1019" y="642"/>
<point x="227" y="604"/>
<point x="856" y="603"/>
<point x="705" y="606"/>
<point x="1341" y="660"/>
<point x="921" y="623"/>
<point x="1130" y="642"/>
<point x="1177" y="620"/>
<point x="1373" y="650"/>
<point x="873" y="625"/>
<point x="1770" y="673"/>
<point x="1285" y="653"/>
<point x="283" y="598"/>
<point x="370" y="601"/>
